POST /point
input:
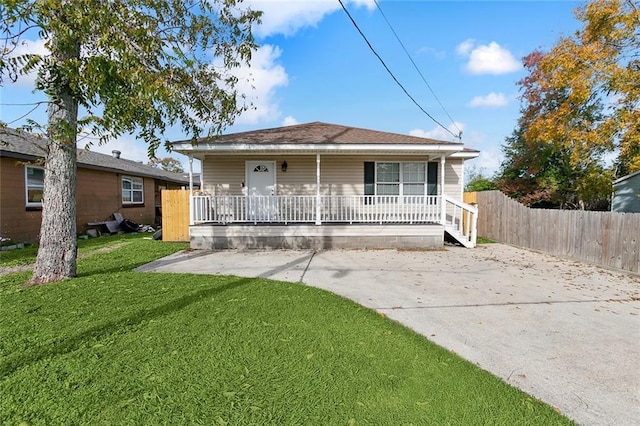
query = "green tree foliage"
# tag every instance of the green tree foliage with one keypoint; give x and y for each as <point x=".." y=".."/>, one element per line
<point x="168" y="164"/>
<point x="580" y="106"/>
<point x="477" y="181"/>
<point x="130" y="67"/>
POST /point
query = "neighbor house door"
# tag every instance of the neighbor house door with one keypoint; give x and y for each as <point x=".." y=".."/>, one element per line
<point x="261" y="186"/>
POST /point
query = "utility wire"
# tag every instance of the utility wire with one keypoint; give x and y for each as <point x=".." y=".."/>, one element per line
<point x="417" y="69"/>
<point x="391" y="73"/>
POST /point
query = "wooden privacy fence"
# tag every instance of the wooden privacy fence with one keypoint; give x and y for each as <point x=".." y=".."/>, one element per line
<point x="175" y="215"/>
<point x="605" y="238"/>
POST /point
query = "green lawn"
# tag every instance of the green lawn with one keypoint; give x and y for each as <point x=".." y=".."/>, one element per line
<point x="117" y="347"/>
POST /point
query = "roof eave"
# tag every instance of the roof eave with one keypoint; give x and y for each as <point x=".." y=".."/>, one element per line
<point x="465" y="155"/>
<point x="241" y="148"/>
<point x="623" y="178"/>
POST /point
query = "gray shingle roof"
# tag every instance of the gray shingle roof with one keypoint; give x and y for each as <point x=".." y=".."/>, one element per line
<point x="319" y="133"/>
<point x="27" y="146"/>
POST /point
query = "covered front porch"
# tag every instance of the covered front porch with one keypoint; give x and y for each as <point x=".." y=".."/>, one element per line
<point x="323" y="185"/>
<point x="286" y="221"/>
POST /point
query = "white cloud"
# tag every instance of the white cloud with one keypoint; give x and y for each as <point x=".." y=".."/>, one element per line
<point x="136" y="150"/>
<point x="465" y="47"/>
<point x="289" y="121"/>
<point x="492" y="100"/>
<point x="288" y="16"/>
<point x="488" y="161"/>
<point x="258" y="82"/>
<point x="439" y="133"/>
<point x="490" y="156"/>
<point x="25" y="47"/>
<point x="426" y="50"/>
<point x="487" y="58"/>
<point x="129" y="148"/>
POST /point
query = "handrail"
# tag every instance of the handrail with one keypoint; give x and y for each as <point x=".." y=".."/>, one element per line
<point x="462" y="219"/>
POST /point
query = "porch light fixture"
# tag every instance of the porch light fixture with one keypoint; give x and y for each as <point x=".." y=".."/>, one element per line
<point x="284" y="166"/>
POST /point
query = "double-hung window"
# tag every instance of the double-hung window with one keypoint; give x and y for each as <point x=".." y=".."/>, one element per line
<point x="132" y="190"/>
<point x="34" y="185"/>
<point x="403" y="179"/>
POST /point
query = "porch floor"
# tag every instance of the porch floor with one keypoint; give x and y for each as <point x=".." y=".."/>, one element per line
<point x="316" y="237"/>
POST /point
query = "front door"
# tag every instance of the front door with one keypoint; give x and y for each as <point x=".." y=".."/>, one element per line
<point x="261" y="186"/>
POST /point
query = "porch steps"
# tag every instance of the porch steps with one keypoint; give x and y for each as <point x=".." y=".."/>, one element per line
<point x="459" y="237"/>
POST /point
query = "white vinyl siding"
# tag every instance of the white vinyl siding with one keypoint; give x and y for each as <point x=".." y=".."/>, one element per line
<point x="34" y="185"/>
<point x="132" y="190"/>
<point x="339" y="174"/>
<point x="453" y="178"/>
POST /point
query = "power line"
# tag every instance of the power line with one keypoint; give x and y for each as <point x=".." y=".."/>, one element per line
<point x="391" y="73"/>
<point x="417" y="69"/>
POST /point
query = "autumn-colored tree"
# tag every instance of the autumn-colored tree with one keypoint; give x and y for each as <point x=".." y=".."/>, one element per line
<point x="598" y="68"/>
<point x="580" y="107"/>
<point x="168" y="164"/>
<point x="542" y="171"/>
<point x="129" y="66"/>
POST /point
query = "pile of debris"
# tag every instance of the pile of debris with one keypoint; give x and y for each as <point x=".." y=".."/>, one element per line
<point x="118" y="225"/>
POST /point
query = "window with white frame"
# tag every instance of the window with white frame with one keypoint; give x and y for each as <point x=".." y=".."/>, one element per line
<point x="402" y="181"/>
<point x="406" y="178"/>
<point x="34" y="185"/>
<point x="132" y="190"/>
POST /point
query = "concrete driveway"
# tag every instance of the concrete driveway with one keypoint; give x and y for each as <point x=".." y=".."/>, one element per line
<point x="566" y="332"/>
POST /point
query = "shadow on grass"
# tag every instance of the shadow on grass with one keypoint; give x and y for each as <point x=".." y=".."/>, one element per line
<point x="97" y="268"/>
<point x="19" y="360"/>
<point x="181" y="256"/>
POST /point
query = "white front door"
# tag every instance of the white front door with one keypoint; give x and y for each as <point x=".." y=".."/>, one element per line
<point x="261" y="185"/>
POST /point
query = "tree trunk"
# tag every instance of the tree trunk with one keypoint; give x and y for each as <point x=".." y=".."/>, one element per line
<point x="56" y="258"/>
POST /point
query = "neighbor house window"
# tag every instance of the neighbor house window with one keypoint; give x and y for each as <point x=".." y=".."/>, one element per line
<point x="132" y="190"/>
<point x="34" y="184"/>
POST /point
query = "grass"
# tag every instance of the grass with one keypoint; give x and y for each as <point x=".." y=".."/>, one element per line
<point x="484" y="240"/>
<point x="27" y="255"/>
<point x="120" y="347"/>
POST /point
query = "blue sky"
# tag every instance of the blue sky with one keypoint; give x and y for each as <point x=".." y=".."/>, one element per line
<point x="313" y="65"/>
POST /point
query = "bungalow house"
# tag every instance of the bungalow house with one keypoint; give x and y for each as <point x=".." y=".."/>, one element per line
<point x="626" y="194"/>
<point x="107" y="184"/>
<point x="320" y="185"/>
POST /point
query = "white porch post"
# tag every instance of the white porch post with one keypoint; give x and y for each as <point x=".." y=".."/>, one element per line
<point x="202" y="172"/>
<point x="462" y="186"/>
<point x="190" y="174"/>
<point x="191" y="206"/>
<point x="318" y="199"/>
<point x="443" y="205"/>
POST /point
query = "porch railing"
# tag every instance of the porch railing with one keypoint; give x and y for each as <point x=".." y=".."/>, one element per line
<point x="461" y="221"/>
<point x="455" y="215"/>
<point x="303" y="209"/>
